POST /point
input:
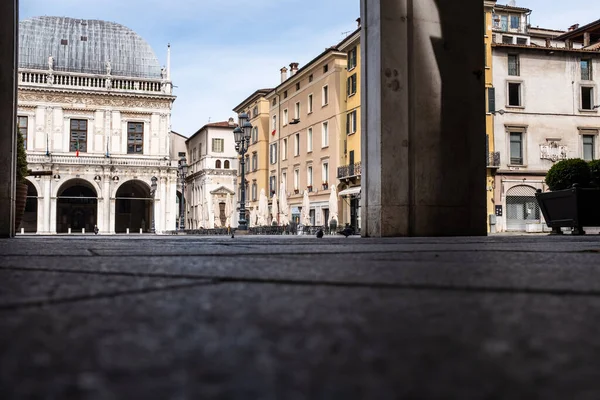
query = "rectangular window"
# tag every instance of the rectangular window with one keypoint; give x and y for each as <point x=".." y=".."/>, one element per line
<point x="504" y="23"/>
<point x="297" y="110"/>
<point x="351" y="85"/>
<point x="351" y="122"/>
<point x="352" y="59"/>
<point x="78" y="135"/>
<point x="507" y="39"/>
<point x="254" y="191"/>
<point x="181" y="154"/>
<point x="284" y="180"/>
<point x="325" y="172"/>
<point x="513" y="65"/>
<point x="255" y="134"/>
<point x="135" y="137"/>
<point x="297" y="144"/>
<point x="296" y="179"/>
<point x="218" y="145"/>
<point x="284" y="120"/>
<point x="586" y="70"/>
<point x="514" y="22"/>
<point x="325" y="134"/>
<point x="297" y="86"/>
<point x="516" y="148"/>
<point x="310" y="78"/>
<point x="274" y="122"/>
<point x="273" y="153"/>
<point x="285" y="94"/>
<point x="274" y="101"/>
<point x="310" y="103"/>
<point x="325" y="68"/>
<point x="309" y="139"/>
<point x="284" y="146"/>
<point x="309" y="176"/>
<point x="588" y="147"/>
<point x="255" y="111"/>
<point x="491" y="92"/>
<point x="522" y="41"/>
<point x="272" y="185"/>
<point x="325" y="95"/>
<point x="254" y="161"/>
<point x="22" y="124"/>
<point x="514" y="94"/>
<point x="587" y="98"/>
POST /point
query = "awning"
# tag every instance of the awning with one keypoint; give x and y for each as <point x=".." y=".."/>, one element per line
<point x="349" y="191"/>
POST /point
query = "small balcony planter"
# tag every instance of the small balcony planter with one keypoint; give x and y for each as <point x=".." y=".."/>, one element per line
<point x="573" y="198"/>
<point x="325" y="186"/>
<point x="309" y="188"/>
<point x="296" y="191"/>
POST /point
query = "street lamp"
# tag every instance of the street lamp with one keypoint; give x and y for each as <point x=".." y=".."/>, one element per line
<point x="241" y="135"/>
<point x="153" y="193"/>
<point x="183" y="169"/>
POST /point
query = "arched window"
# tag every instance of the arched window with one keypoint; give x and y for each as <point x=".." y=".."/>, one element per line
<point x="218" y="164"/>
<point x="226" y="165"/>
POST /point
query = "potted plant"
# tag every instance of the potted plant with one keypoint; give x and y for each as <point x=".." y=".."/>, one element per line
<point x="573" y="198"/>
<point x="296" y="191"/>
<point x="309" y="188"/>
<point x="21" y="196"/>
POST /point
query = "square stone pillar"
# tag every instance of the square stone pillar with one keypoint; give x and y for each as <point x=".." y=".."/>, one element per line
<point x="8" y="95"/>
<point x="423" y="118"/>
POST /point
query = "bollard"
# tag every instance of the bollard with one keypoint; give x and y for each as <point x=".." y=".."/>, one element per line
<point x="128" y="231"/>
<point x="69" y="231"/>
<point x="82" y="230"/>
<point x="141" y="231"/>
<point x="22" y="231"/>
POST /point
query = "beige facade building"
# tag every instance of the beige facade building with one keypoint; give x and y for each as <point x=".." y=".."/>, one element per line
<point x="257" y="165"/>
<point x="307" y="117"/>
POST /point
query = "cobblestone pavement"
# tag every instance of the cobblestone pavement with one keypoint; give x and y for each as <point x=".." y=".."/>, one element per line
<point x="289" y="317"/>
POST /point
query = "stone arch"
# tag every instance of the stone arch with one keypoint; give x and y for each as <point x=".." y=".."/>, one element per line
<point x="84" y="181"/>
<point x="218" y="164"/>
<point x="76" y="206"/>
<point x="226" y="164"/>
<point x="521" y="208"/>
<point x="133" y="207"/>
<point x="29" y="223"/>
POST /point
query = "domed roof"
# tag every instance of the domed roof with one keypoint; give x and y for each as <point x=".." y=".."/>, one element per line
<point x="79" y="45"/>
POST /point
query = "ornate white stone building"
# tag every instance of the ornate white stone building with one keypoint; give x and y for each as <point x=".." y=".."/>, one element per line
<point x="95" y="107"/>
<point x="212" y="175"/>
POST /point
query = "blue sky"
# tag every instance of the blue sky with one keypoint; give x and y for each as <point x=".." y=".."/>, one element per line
<point x="222" y="51"/>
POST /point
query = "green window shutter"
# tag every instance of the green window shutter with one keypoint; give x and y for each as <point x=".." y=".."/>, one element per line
<point x="492" y="100"/>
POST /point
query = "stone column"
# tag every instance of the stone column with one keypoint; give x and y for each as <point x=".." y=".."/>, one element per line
<point x="8" y="94"/>
<point x="423" y="118"/>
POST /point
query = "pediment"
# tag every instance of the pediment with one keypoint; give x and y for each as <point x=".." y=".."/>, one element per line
<point x="222" y="190"/>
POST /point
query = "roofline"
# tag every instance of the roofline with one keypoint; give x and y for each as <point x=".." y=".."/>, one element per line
<point x="349" y="38"/>
<point x="249" y="99"/>
<point x="578" y="31"/>
<point x="179" y="134"/>
<point x="562" y="49"/>
<point x="507" y="7"/>
<point x="209" y="125"/>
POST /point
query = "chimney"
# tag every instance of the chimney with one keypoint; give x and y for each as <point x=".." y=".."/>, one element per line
<point x="358" y="22"/>
<point x="283" y="74"/>
<point x="573" y="27"/>
<point x="293" y="68"/>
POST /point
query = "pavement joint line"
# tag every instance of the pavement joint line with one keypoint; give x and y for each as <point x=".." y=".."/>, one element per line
<point x="17" y="306"/>
<point x="207" y="280"/>
<point x="287" y="255"/>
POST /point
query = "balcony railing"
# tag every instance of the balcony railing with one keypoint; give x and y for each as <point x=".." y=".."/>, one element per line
<point x="493" y="159"/>
<point x="349" y="171"/>
<point x="134" y="161"/>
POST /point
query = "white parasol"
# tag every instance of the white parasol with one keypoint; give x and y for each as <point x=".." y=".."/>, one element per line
<point x="228" y="210"/>
<point x="305" y="214"/>
<point x="333" y="206"/>
<point x="274" y="209"/>
<point x="263" y="209"/>
<point x="216" y="212"/>
<point x="284" y="210"/>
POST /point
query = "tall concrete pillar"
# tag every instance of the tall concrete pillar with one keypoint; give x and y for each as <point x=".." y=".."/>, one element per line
<point x="423" y="118"/>
<point x="8" y="95"/>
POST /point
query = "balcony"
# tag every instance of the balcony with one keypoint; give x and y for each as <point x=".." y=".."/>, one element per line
<point x="349" y="171"/>
<point x="493" y="159"/>
<point x="71" y="159"/>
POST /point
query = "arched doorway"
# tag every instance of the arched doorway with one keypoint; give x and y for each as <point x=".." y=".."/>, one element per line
<point x="521" y="208"/>
<point x="29" y="221"/>
<point x="77" y="206"/>
<point x="133" y="207"/>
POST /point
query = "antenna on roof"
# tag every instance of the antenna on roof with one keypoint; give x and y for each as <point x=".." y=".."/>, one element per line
<point x="209" y="120"/>
<point x="346" y="33"/>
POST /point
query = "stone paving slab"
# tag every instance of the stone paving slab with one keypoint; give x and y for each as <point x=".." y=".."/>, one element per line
<point x="299" y="318"/>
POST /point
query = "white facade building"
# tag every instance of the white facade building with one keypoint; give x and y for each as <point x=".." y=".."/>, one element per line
<point x="212" y="174"/>
<point x="546" y="109"/>
<point x="95" y="108"/>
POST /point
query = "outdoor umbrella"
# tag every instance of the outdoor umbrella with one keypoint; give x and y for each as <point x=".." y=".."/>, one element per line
<point x="217" y="212"/>
<point x="274" y="209"/>
<point x="333" y="205"/>
<point x="284" y="210"/>
<point x="263" y="209"/>
<point x="228" y="210"/>
<point x="305" y="215"/>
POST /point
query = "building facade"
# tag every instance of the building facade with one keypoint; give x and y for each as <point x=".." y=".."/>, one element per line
<point x="547" y="106"/>
<point x="257" y="166"/>
<point x="94" y="106"/>
<point x="212" y="175"/>
<point x="349" y="171"/>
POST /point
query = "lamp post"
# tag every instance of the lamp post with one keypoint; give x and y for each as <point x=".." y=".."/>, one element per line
<point x="242" y="141"/>
<point x="153" y="194"/>
<point x="183" y="169"/>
